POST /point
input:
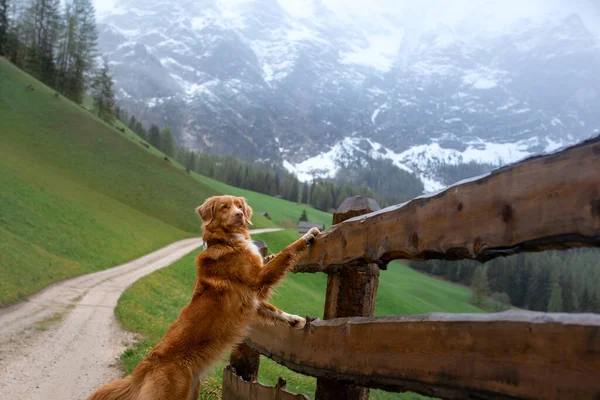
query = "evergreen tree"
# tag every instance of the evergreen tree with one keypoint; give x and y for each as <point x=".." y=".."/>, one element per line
<point x="4" y="26"/>
<point x="15" y="50"/>
<point x="584" y="302"/>
<point x="313" y="186"/>
<point x="594" y="305"/>
<point x="41" y="25"/>
<point x="277" y="185"/>
<point x="132" y="123"/>
<point x="168" y="142"/>
<point x="154" y="137"/>
<point x="140" y="130"/>
<point x="556" y="301"/>
<point x="124" y="115"/>
<point x="479" y="286"/>
<point x="118" y="112"/>
<point x="294" y="191"/>
<point x="303" y="216"/>
<point x="78" y="48"/>
<point x="103" y="95"/>
<point x="305" y="199"/>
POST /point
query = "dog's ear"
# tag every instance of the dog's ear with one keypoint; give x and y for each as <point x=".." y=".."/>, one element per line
<point x="206" y="210"/>
<point x="247" y="211"/>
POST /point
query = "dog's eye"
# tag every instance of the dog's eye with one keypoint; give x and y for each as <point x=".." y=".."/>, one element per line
<point x="224" y="207"/>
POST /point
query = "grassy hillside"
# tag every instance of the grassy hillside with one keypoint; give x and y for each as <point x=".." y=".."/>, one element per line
<point x="144" y="308"/>
<point x="283" y="212"/>
<point x="77" y="195"/>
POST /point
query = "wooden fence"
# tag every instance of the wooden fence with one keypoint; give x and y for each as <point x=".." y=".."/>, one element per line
<point x="545" y="202"/>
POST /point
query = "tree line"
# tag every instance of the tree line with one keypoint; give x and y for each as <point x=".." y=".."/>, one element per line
<point x="449" y="174"/>
<point x="391" y="184"/>
<point x="554" y="281"/>
<point x="323" y="194"/>
<point x="56" y="43"/>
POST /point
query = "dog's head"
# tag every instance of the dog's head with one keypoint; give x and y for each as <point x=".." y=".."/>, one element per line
<point x="228" y="214"/>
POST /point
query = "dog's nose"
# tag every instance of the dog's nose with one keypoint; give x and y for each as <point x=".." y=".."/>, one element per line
<point x="239" y="214"/>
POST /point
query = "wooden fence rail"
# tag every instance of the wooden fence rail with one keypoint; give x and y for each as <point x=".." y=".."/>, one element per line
<point x="545" y="202"/>
<point x="453" y="356"/>
<point x="542" y="203"/>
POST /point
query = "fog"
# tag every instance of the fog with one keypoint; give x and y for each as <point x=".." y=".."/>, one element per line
<point x="479" y="15"/>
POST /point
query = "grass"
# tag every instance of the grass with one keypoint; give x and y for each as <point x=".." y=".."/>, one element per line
<point x="77" y="195"/>
<point x="283" y="213"/>
<point x="153" y="303"/>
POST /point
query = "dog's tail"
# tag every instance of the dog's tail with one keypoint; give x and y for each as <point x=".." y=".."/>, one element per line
<point x="119" y="389"/>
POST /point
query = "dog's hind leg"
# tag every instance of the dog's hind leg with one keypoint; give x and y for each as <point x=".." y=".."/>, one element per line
<point x="195" y="387"/>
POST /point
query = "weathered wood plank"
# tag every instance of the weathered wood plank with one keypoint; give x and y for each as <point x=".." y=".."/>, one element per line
<point x="235" y="388"/>
<point x="245" y="361"/>
<point x="542" y="203"/>
<point x="456" y="356"/>
<point x="350" y="293"/>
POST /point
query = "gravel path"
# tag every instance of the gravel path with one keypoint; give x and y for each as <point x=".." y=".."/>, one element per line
<point x="65" y="341"/>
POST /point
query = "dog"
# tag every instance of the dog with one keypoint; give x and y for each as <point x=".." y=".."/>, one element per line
<point x="230" y="294"/>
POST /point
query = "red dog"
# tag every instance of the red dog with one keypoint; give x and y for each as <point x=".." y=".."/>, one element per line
<point x="230" y="294"/>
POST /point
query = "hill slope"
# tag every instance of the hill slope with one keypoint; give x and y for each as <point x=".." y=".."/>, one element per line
<point x="143" y="309"/>
<point x="76" y="195"/>
<point x="282" y="212"/>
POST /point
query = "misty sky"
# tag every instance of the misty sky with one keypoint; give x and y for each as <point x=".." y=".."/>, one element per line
<point x="485" y="15"/>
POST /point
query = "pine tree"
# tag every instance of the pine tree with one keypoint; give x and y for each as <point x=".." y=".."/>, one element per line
<point x="41" y="26"/>
<point x="168" y="142"/>
<point x="277" y="186"/>
<point x="303" y="216"/>
<point x="140" y="130"/>
<point x="313" y="186"/>
<point x="584" y="302"/>
<point x="479" y="286"/>
<point x="123" y="115"/>
<point x="594" y="305"/>
<point x="154" y="137"/>
<point x="78" y="48"/>
<point x="294" y="191"/>
<point x="15" y="51"/>
<point x="556" y="303"/>
<point x="103" y="95"/>
<point x="4" y="26"/>
<point x="305" y="199"/>
<point x="132" y="122"/>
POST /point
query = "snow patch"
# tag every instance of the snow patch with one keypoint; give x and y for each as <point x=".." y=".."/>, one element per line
<point x="378" y="52"/>
<point x="377" y="111"/>
<point x="483" y="78"/>
<point x="326" y="164"/>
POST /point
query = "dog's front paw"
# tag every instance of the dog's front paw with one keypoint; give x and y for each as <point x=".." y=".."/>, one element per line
<point x="296" y="322"/>
<point x="269" y="258"/>
<point x="311" y="235"/>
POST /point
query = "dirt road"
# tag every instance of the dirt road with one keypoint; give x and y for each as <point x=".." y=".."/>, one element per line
<point x="65" y="341"/>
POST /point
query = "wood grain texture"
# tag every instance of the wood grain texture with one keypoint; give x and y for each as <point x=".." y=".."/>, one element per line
<point x="235" y="388"/>
<point x="525" y="355"/>
<point x="545" y="202"/>
<point x="350" y="293"/>
<point x="245" y="361"/>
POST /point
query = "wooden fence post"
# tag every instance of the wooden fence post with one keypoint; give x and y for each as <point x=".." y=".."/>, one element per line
<point x="245" y="360"/>
<point x="351" y="292"/>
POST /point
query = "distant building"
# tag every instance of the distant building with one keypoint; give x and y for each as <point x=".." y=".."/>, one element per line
<point x="305" y="226"/>
<point x="265" y="214"/>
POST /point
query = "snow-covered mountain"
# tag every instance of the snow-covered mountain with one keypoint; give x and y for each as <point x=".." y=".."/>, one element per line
<point x="305" y="83"/>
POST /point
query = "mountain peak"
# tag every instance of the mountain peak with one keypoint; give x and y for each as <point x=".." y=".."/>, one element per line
<point x="289" y="81"/>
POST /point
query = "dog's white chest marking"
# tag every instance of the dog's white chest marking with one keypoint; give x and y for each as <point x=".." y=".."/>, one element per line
<point x="251" y="246"/>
